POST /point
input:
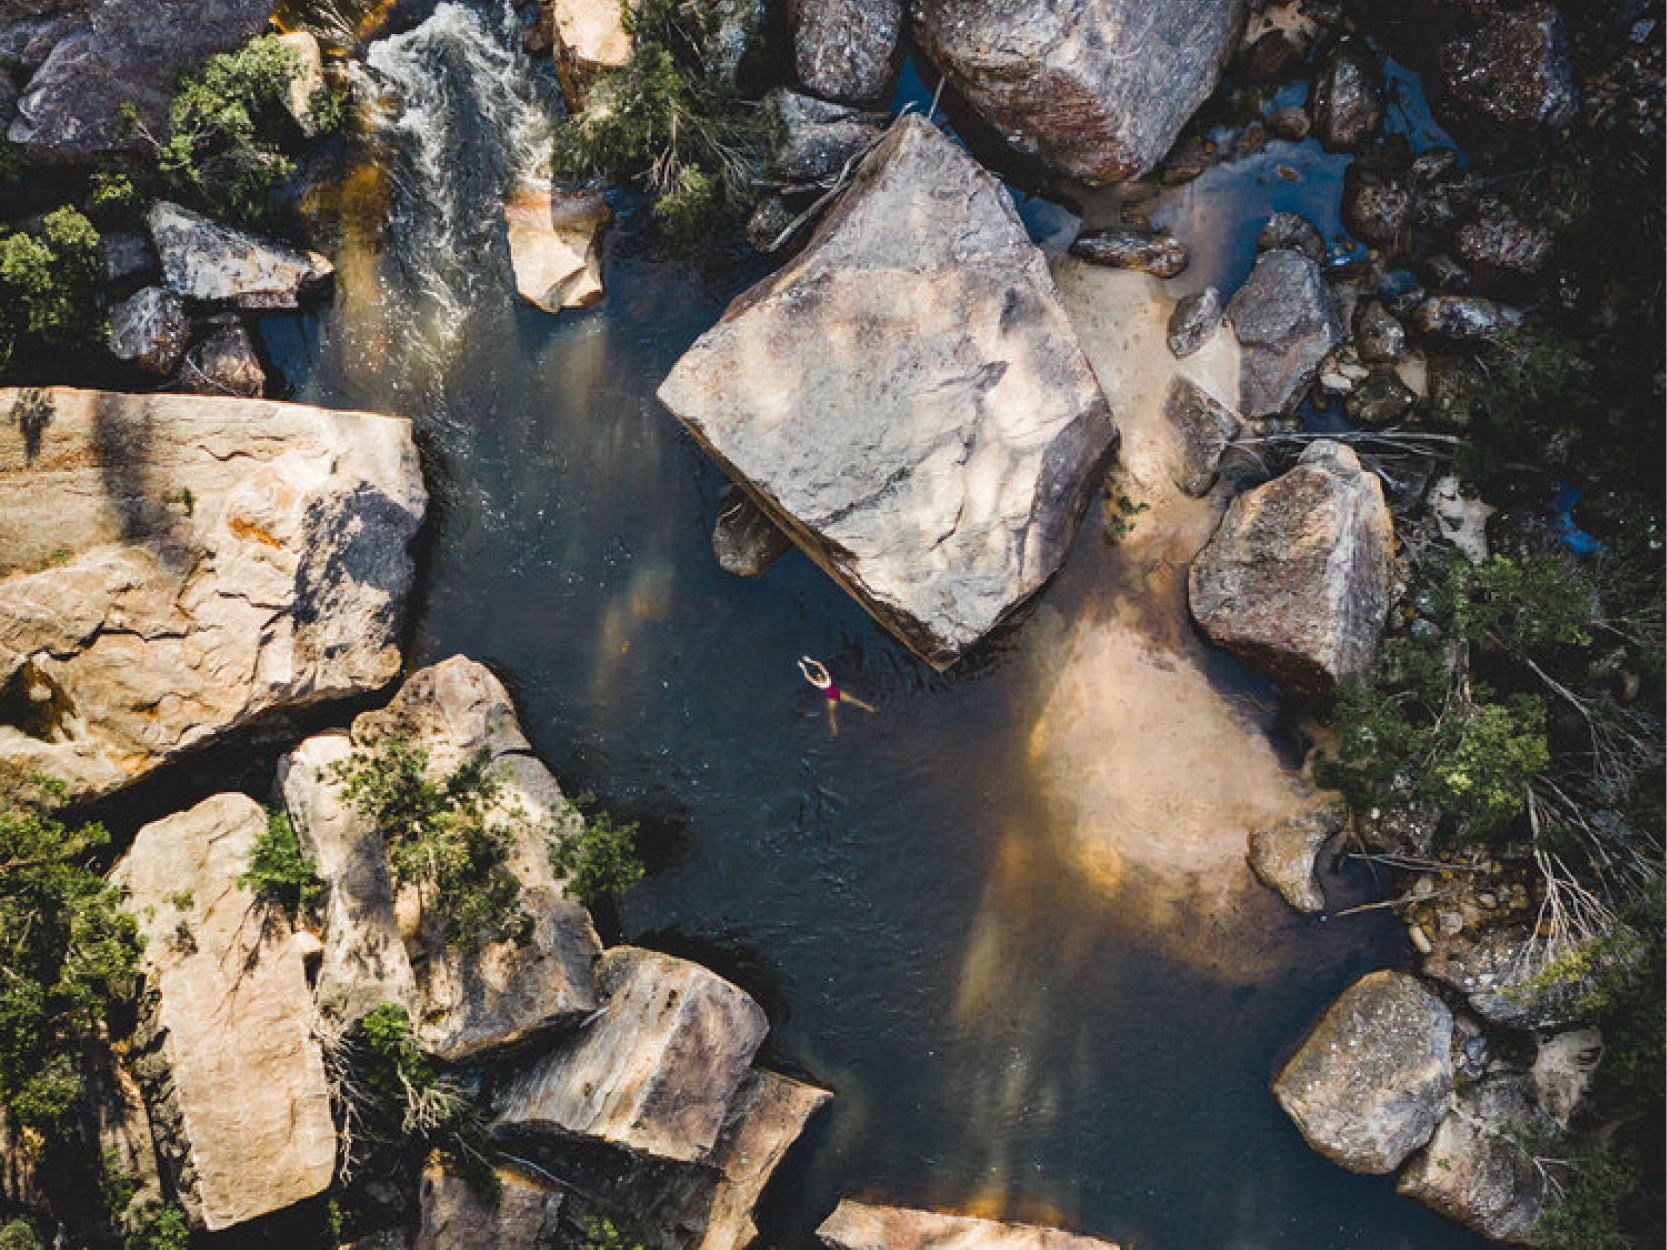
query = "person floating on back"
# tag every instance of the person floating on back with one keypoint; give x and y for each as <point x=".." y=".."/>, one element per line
<point x="816" y="673"/>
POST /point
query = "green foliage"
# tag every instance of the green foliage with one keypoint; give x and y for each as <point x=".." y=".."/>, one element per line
<point x="279" y="870"/>
<point x="443" y="836"/>
<point x="19" y="1235"/>
<point x="601" y="1233"/>
<point x="48" y="280"/>
<point x="1120" y="512"/>
<point x="165" y="1228"/>
<point x="222" y="149"/>
<point x="327" y="109"/>
<point x="597" y="859"/>
<point x="1530" y="383"/>
<point x="111" y="195"/>
<point x="64" y="943"/>
<point x="1594" y="1186"/>
<point x="664" y="119"/>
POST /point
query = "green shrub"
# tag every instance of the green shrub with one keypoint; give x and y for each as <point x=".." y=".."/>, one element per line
<point x="443" y="837"/>
<point x="602" y="1233"/>
<point x="64" y="944"/>
<point x="666" y="121"/>
<point x="279" y="870"/>
<point x="597" y="859"/>
<point x="19" y="1235"/>
<point x="165" y="1228"/>
<point x="48" y="284"/>
<point x="111" y="195"/>
<point x="1529" y="383"/>
<point x="1594" y="1185"/>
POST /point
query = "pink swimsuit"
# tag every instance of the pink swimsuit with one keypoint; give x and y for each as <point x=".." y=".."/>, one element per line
<point x="832" y="691"/>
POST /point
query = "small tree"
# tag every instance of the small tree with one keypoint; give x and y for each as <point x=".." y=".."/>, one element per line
<point x="279" y="870"/>
<point x="48" y="283"/>
<point x="597" y="858"/>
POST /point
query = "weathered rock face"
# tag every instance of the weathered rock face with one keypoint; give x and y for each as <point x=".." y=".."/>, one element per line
<point x="224" y="363"/>
<point x="1492" y="970"/>
<point x="1370" y="1083"/>
<point x="1284" y="857"/>
<point x="172" y="567"/>
<point x="462" y="1005"/>
<point x="456" y="1217"/>
<point x="1474" y="1172"/>
<point x="1125" y="247"/>
<point x="819" y="138"/>
<point x="306" y="82"/>
<point x="1287" y="322"/>
<point x="846" y="50"/>
<point x="1097" y="88"/>
<point x="656" y="1073"/>
<point x="1514" y="69"/>
<point x="745" y="541"/>
<point x="129" y="51"/>
<point x="1462" y="318"/>
<point x="150" y="330"/>
<point x="555" y="245"/>
<point x="1203" y="428"/>
<point x="1348" y="99"/>
<point x="907" y="398"/>
<point x="224" y="1051"/>
<point x="858" y="1226"/>
<point x="1297" y="578"/>
<point x="1564" y="1067"/>
<point x="1499" y="239"/>
<point x="204" y="260"/>
<point x="1193" y="322"/>
<point x="589" y="36"/>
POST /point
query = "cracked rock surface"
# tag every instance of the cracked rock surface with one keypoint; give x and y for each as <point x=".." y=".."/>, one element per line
<point x="172" y="567"/>
<point x="907" y="398"/>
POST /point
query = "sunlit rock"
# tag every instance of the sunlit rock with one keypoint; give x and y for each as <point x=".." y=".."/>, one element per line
<point x="555" y="245"/>
<point x="462" y="1003"/>
<point x="1284" y="856"/>
<point x="907" y="399"/>
<point x="1097" y="88"/>
<point x="858" y="1226"/>
<point x="1297" y="578"/>
<point x="655" y="1074"/>
<point x="1371" y="1082"/>
<point x="589" y="36"/>
<point x="172" y="567"/>
<point x="218" y="264"/>
<point x="307" y="80"/>
<point x="225" y="1052"/>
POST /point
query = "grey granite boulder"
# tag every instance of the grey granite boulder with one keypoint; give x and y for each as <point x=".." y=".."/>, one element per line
<point x="1494" y="968"/>
<point x="820" y="139"/>
<point x="225" y="1052"/>
<point x="1287" y="322"/>
<point x="1202" y="428"/>
<point x="655" y="1073"/>
<point x="1297" y="579"/>
<point x="224" y="362"/>
<point x="173" y="567"/>
<point x="457" y="1216"/>
<point x="1098" y="89"/>
<point x="858" y="1226"/>
<point x="1348" y="104"/>
<point x="380" y="943"/>
<point x="1193" y="322"/>
<point x="907" y="398"/>
<point x="744" y="540"/>
<point x="846" y="50"/>
<point x="1514" y="69"/>
<point x="1371" y="1081"/>
<point x="218" y="264"/>
<point x="150" y="329"/>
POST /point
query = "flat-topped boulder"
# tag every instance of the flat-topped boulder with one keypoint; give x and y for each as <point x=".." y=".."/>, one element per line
<point x="655" y="1073"/>
<point x="1297" y="579"/>
<point x="380" y="943"/>
<point x="1371" y="1082"/>
<point x="173" y="567"/>
<point x="224" y="1050"/>
<point x="1099" y="89"/>
<point x="907" y="399"/>
<point x="218" y="264"/>
<point x="858" y="1226"/>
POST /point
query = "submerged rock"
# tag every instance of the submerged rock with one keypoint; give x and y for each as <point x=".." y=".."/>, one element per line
<point x="1098" y="89"/>
<point x="1514" y="69"/>
<point x="927" y="427"/>
<point x="1371" y="1082"/>
<point x="1475" y="1171"/>
<point x="555" y="245"/>
<point x="1125" y="247"/>
<point x="381" y="945"/>
<point x="224" y="1048"/>
<point x="1287" y="322"/>
<point x="745" y="541"/>
<point x="173" y="567"/>
<point x="656" y="1073"/>
<point x="846" y="50"/>
<point x="1203" y="428"/>
<point x="1193" y="322"/>
<point x="204" y="260"/>
<point x="1297" y="578"/>
<point x="1284" y="857"/>
<point x="858" y="1226"/>
<point x="150" y="330"/>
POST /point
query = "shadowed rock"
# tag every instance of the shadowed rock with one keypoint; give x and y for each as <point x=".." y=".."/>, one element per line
<point x="150" y="330"/>
<point x="1297" y="578"/>
<point x="1203" y="428"/>
<point x="232" y="1073"/>
<point x="1369" y="1085"/>
<point x="1287" y="322"/>
<point x="846" y="50"/>
<point x="745" y="541"/>
<point x="204" y="260"/>
<point x="1514" y="69"/>
<point x="1097" y="88"/>
<point x="172" y="567"/>
<point x="858" y="1226"/>
<point x="907" y="398"/>
<point x="456" y="1216"/>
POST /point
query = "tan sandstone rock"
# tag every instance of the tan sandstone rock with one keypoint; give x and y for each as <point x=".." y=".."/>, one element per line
<point x="858" y="1226"/>
<point x="555" y="245"/>
<point x="457" y="1217"/>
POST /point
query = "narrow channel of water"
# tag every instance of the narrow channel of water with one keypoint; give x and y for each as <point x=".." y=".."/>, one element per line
<point x="1005" y="918"/>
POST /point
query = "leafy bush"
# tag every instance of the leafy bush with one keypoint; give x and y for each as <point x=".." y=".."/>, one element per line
<point x="602" y="1233"/>
<point x="162" y="1229"/>
<point x="19" y="1235"/>
<point x="111" y="195"/>
<point x="66" y="942"/>
<point x="48" y="281"/>
<point x="597" y="859"/>
<point x="443" y="837"/>
<point x="665" y="120"/>
<point x="279" y="870"/>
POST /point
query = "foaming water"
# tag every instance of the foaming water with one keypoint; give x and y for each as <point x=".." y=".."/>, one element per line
<point x="923" y="903"/>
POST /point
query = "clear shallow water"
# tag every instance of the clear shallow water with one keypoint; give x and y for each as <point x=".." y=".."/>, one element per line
<point x="1007" y="1030"/>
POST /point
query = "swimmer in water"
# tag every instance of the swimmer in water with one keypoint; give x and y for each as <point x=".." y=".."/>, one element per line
<point x="816" y="673"/>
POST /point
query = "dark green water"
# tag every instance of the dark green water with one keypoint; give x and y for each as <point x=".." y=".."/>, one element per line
<point x="1002" y="1034"/>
